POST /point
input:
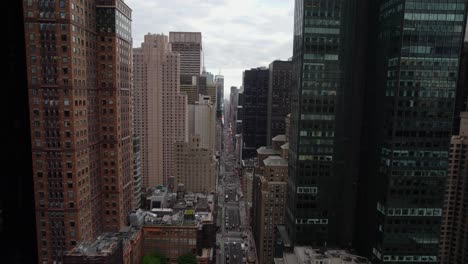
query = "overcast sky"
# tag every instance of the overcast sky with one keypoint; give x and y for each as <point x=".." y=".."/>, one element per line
<point x="236" y="34"/>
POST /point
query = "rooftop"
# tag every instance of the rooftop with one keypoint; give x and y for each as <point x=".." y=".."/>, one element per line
<point x="275" y="161"/>
<point x="308" y="255"/>
<point x="279" y="138"/>
<point x="103" y="245"/>
<point x="285" y="146"/>
<point x="248" y="163"/>
<point x="267" y="151"/>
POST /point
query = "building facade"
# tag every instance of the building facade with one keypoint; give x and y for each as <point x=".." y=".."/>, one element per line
<point x="454" y="230"/>
<point x="194" y="166"/>
<point x="189" y="46"/>
<point x="314" y="211"/>
<point x="269" y="205"/>
<point x="254" y="107"/>
<point x="161" y="114"/>
<point x="202" y="121"/>
<point x="137" y="191"/>
<point x="79" y="83"/>
<point x="279" y="90"/>
<point x="219" y="83"/>
<point x="411" y="98"/>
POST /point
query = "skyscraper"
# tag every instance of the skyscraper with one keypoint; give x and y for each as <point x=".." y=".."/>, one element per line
<point x="202" y="122"/>
<point x="410" y="101"/>
<point x="161" y="115"/>
<point x="269" y="197"/>
<point x="189" y="46"/>
<point x="79" y="68"/>
<point x="279" y="90"/>
<point x="254" y="122"/>
<point x="219" y="83"/>
<point x="454" y="231"/>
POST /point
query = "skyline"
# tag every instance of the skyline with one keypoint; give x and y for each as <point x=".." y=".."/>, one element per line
<point x="224" y="24"/>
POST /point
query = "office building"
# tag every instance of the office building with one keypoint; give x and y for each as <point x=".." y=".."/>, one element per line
<point x="219" y="83"/>
<point x="79" y="83"/>
<point x="202" y="121"/>
<point x="279" y="90"/>
<point x="194" y="166"/>
<point x="269" y="205"/>
<point x="207" y="86"/>
<point x="410" y="102"/>
<point x="189" y="46"/>
<point x="161" y="114"/>
<point x="233" y="100"/>
<point x="254" y="107"/>
<point x="454" y="230"/>
<point x="189" y="85"/>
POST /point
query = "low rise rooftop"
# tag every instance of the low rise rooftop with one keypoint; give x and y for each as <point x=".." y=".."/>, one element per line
<point x="267" y="151"/>
<point x="275" y="161"/>
<point x="308" y="255"/>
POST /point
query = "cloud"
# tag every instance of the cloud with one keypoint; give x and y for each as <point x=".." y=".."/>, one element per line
<point x="237" y="34"/>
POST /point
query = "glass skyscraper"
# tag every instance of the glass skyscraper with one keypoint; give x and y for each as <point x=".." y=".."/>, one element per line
<point x="329" y="38"/>
<point x="410" y="102"/>
<point x="372" y="107"/>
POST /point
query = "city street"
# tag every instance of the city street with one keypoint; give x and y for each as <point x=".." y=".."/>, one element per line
<point x="236" y="245"/>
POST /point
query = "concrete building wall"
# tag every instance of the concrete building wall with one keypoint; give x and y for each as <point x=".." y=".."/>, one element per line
<point x="270" y="190"/>
<point x="189" y="46"/>
<point x="194" y="166"/>
<point x="205" y="122"/>
<point x="163" y="118"/>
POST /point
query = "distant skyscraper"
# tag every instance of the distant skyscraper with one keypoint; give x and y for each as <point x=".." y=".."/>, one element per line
<point x="189" y="85"/>
<point x="219" y="82"/>
<point x="233" y="98"/>
<point x="79" y="83"/>
<point x="279" y="90"/>
<point x="454" y="231"/>
<point x="189" y="46"/>
<point x="207" y="86"/>
<point x="161" y="116"/>
<point x="255" y="99"/>
<point x="202" y="122"/>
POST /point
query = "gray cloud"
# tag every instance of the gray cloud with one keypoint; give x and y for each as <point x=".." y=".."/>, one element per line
<point x="237" y="34"/>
